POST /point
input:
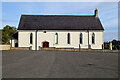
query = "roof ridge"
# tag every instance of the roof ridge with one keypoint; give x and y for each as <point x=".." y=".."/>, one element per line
<point x="60" y="15"/>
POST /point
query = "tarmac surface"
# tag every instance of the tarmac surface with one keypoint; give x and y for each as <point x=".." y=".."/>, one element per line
<point x="59" y="64"/>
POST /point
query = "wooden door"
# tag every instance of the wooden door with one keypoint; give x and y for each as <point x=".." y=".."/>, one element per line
<point x="45" y="44"/>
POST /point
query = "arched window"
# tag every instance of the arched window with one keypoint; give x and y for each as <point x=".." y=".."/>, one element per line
<point x="31" y="35"/>
<point x="56" y="38"/>
<point x="81" y="38"/>
<point x="93" y="38"/>
<point x="68" y="38"/>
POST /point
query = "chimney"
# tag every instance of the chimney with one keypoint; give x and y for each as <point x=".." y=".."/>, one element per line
<point x="96" y="12"/>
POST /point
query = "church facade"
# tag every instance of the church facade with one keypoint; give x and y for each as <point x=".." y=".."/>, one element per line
<point x="61" y="31"/>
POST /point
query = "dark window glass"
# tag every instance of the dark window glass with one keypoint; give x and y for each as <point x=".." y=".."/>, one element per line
<point x="44" y="31"/>
<point x="56" y="38"/>
<point x="81" y="38"/>
<point x="93" y="38"/>
<point x="68" y="36"/>
<point x="31" y="38"/>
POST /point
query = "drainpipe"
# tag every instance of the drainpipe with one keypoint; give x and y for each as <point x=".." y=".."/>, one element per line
<point x="36" y="41"/>
<point x="88" y="39"/>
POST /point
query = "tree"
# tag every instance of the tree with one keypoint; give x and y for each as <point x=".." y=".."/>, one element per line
<point x="7" y="32"/>
<point x="106" y="45"/>
<point x="115" y="45"/>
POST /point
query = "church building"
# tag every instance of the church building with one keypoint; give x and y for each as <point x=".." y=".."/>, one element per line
<point x="60" y="31"/>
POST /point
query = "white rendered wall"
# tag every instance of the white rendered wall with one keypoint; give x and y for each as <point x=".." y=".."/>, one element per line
<point x="4" y="47"/>
<point x="62" y="39"/>
<point x="24" y="38"/>
<point x="98" y="39"/>
<point x="49" y="36"/>
<point x="12" y="42"/>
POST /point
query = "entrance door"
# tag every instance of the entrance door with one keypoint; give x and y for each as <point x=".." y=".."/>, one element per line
<point x="45" y="44"/>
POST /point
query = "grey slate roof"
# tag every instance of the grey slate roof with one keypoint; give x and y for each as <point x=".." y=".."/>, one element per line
<point x="59" y="22"/>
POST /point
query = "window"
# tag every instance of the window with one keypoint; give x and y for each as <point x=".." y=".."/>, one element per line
<point x="81" y="38"/>
<point x="93" y="38"/>
<point x="56" y="38"/>
<point x="44" y="31"/>
<point x="68" y="38"/>
<point x="31" y="35"/>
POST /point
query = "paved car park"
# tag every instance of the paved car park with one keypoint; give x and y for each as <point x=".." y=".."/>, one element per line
<point x="59" y="64"/>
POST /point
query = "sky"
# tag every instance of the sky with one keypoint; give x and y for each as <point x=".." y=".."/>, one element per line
<point x="107" y="13"/>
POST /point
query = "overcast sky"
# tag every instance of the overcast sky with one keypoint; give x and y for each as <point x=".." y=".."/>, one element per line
<point x="107" y="12"/>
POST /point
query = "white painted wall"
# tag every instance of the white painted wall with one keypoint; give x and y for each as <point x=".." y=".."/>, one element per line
<point x="4" y="47"/>
<point x="24" y="41"/>
<point x="12" y="42"/>
<point x="24" y="38"/>
<point x="98" y="39"/>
